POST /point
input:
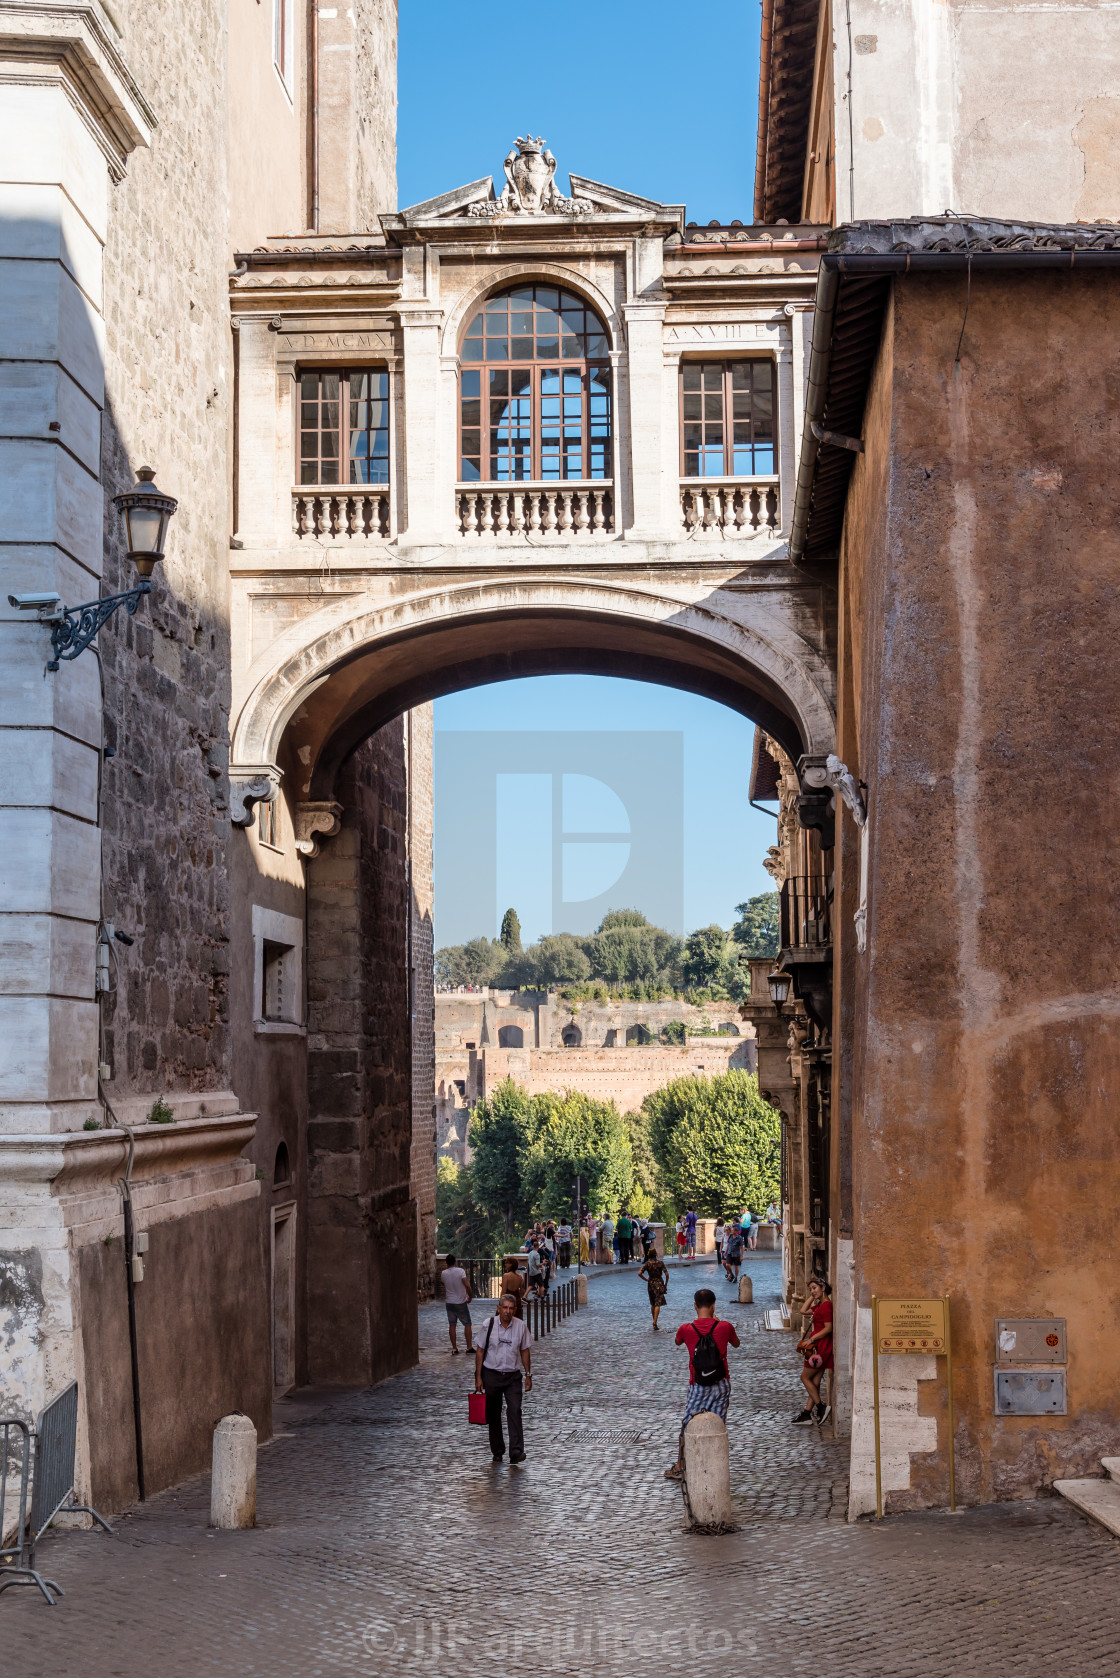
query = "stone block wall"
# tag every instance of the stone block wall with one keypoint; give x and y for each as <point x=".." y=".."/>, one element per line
<point x="362" y="1218"/>
<point x="166" y="671"/>
<point x="423" y="1163"/>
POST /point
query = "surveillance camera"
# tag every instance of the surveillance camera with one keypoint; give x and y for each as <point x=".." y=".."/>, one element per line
<point x="47" y="605"/>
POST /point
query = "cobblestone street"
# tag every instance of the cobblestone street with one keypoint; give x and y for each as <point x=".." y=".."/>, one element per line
<point x="389" y="1543"/>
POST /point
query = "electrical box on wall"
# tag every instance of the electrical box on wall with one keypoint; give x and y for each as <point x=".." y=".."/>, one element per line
<point x="1030" y="1392"/>
<point x="1030" y="1340"/>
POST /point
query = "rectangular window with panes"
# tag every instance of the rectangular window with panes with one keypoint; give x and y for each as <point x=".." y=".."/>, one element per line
<point x="727" y="419"/>
<point x="343" y="426"/>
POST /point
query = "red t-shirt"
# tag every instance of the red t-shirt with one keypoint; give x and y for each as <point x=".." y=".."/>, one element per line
<point x="723" y="1333"/>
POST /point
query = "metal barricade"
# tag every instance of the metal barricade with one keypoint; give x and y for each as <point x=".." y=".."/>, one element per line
<point x="52" y="1487"/>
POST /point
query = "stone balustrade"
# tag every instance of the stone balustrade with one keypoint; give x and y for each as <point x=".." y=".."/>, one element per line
<point x="359" y="513"/>
<point x="730" y="507"/>
<point x="564" y="510"/>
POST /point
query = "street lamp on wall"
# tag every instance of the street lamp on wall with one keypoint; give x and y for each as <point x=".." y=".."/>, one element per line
<point x="779" y="984"/>
<point x="146" y="513"/>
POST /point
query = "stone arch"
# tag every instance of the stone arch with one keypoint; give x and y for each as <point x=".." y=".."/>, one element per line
<point x="571" y="1036"/>
<point x="361" y="661"/>
<point x="516" y="273"/>
<point x="511" y="1037"/>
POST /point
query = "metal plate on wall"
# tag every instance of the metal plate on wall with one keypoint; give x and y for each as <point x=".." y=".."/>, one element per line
<point x="1030" y="1392"/>
<point x="1030" y="1340"/>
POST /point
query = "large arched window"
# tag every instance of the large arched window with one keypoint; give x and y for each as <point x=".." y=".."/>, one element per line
<point x="535" y="393"/>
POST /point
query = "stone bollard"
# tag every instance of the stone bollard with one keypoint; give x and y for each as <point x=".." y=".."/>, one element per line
<point x="233" y="1480"/>
<point x="707" y="1470"/>
<point x="746" y="1291"/>
<point x="581" y="1290"/>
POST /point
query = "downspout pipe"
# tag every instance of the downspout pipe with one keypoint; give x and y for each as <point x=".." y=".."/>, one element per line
<point x="820" y="360"/>
<point x="865" y="265"/>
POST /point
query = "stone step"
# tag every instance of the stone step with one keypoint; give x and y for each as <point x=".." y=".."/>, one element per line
<point x="1099" y="1499"/>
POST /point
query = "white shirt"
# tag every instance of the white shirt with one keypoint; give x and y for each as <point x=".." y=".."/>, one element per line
<point x="506" y="1344"/>
<point x="455" y="1286"/>
<point x="565" y="1232"/>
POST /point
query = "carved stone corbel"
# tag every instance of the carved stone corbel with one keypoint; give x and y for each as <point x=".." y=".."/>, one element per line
<point x="833" y="773"/>
<point x="249" y="784"/>
<point x="323" y="818"/>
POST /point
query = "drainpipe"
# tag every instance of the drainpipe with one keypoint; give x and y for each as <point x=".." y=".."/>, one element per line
<point x="314" y="116"/>
<point x="820" y="360"/>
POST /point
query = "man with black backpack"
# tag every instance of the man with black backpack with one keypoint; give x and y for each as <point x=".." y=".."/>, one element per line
<point x="709" y="1379"/>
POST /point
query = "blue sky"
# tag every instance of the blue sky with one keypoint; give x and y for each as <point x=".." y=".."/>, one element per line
<point x="618" y="96"/>
<point x="620" y="91"/>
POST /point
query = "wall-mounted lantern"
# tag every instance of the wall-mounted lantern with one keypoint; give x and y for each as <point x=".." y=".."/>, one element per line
<point x="779" y="983"/>
<point x="146" y="513"/>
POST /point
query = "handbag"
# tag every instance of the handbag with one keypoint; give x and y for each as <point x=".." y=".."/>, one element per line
<point x="476" y="1402"/>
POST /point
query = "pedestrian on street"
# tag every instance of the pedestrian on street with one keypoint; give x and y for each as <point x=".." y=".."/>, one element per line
<point x="625" y="1238"/>
<point x="733" y="1251"/>
<point x="534" y="1272"/>
<point x="606" y="1238"/>
<point x="690" y="1232"/>
<point x="745" y="1225"/>
<point x="720" y="1231"/>
<point x="457" y="1297"/>
<point x="649" y="1240"/>
<point x="592" y="1237"/>
<point x="498" y="1361"/>
<point x="709" y="1379"/>
<point x="585" y="1242"/>
<point x="564" y="1238"/>
<point x="657" y="1283"/>
<point x="817" y="1349"/>
<point x="513" y="1282"/>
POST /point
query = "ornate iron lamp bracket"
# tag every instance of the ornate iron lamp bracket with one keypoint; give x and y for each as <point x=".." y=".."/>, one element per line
<point x="76" y="626"/>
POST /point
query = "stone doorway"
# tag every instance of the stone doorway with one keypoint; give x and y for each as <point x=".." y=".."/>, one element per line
<point x="283" y="1297"/>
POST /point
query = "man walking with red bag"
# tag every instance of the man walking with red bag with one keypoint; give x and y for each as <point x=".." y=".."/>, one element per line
<point x="499" y="1357"/>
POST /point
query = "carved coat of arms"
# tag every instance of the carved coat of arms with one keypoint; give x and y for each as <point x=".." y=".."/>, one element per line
<point x="529" y="189"/>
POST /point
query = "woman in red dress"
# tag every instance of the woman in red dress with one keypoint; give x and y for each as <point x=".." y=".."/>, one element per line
<point x="817" y="1348"/>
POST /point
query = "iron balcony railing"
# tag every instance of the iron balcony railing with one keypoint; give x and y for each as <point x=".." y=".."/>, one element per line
<point x="806" y="913"/>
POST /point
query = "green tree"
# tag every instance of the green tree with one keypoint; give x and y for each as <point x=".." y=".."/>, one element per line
<point x="648" y="1191"/>
<point x="675" y="1032"/>
<point x="704" y="957"/>
<point x="716" y="1141"/>
<point x="561" y="961"/>
<point x="477" y="963"/>
<point x="575" y="1134"/>
<point x="757" y="929"/>
<point x="462" y="1227"/>
<point x="500" y="1132"/>
<point x="511" y="933"/>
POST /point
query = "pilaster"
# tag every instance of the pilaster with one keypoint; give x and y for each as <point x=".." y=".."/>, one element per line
<point x="644" y="332"/>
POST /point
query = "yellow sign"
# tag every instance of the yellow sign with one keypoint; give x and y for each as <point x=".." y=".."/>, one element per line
<point x="911" y="1325"/>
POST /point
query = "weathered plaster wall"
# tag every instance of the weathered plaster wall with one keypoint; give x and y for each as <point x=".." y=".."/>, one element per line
<point x="986" y="1163"/>
<point x="269" y="126"/>
<point x="357" y="115"/>
<point x="362" y="1222"/>
<point x="1005" y="111"/>
<point x="202" y="1332"/>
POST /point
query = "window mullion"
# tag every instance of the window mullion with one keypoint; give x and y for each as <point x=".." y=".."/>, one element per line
<point x="343" y="429"/>
<point x="536" y="423"/>
<point x="728" y="422"/>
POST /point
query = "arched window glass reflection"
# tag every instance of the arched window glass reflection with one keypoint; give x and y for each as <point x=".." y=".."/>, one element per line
<point x="535" y="391"/>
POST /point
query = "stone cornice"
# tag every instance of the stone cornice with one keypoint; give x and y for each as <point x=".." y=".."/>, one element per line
<point x="85" y="1160"/>
<point x="70" y="43"/>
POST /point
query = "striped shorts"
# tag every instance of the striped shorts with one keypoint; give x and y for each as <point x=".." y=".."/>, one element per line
<point x="700" y="1398"/>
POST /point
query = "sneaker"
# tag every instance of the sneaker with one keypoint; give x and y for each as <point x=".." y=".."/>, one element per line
<point x="494" y="1457"/>
<point x="519" y="1457"/>
<point x="803" y="1418"/>
<point x="674" y="1473"/>
<point x="821" y="1413"/>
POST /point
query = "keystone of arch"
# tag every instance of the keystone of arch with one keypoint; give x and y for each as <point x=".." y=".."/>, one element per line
<point x="303" y="657"/>
<point x="526" y="272"/>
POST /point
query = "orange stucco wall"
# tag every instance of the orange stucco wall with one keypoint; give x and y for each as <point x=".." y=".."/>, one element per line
<point x="980" y="587"/>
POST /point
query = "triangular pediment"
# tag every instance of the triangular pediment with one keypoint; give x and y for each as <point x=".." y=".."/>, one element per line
<point x="612" y="198"/>
<point x="454" y="203"/>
